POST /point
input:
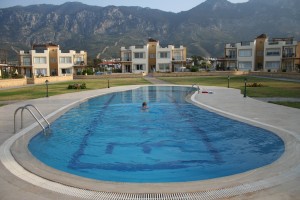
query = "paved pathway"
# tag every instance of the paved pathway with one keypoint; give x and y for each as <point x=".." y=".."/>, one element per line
<point x="155" y="81"/>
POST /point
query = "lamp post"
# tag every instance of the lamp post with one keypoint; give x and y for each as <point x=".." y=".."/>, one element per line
<point x="228" y="79"/>
<point x="108" y="82"/>
<point x="245" y="89"/>
<point x="47" y="82"/>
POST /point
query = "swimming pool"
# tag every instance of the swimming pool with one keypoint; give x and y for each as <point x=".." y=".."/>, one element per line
<point x="109" y="138"/>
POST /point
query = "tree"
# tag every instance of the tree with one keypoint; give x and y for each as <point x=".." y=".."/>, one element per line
<point x="197" y="59"/>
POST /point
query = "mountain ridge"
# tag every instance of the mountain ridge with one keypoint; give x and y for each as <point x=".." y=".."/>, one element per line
<point x="203" y="29"/>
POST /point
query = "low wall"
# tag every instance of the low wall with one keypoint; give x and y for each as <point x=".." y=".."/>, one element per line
<point x="289" y="75"/>
<point x="215" y="73"/>
<point x="6" y="83"/>
<point x="106" y="76"/>
<point x="51" y="79"/>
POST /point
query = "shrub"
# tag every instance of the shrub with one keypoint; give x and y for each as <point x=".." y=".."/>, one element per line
<point x="88" y="71"/>
<point x="16" y="76"/>
<point x="194" y="69"/>
<point x="254" y="85"/>
<point x="77" y="86"/>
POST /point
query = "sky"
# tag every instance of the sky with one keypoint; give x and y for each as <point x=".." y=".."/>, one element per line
<point x="166" y="5"/>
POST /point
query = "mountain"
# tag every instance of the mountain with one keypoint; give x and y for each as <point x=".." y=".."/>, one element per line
<point x="103" y="30"/>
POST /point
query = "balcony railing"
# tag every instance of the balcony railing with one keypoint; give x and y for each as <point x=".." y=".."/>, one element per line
<point x="81" y="63"/>
<point x="245" y="43"/>
<point x="177" y="59"/>
<point x="124" y="59"/>
<point x="273" y="43"/>
<point x="288" y="55"/>
<point x="231" y="57"/>
<point x="139" y="46"/>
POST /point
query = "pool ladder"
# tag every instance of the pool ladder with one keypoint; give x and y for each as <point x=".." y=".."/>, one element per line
<point x="26" y="107"/>
<point x="197" y="86"/>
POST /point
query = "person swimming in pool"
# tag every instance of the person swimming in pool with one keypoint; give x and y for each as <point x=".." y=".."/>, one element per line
<point x="144" y="106"/>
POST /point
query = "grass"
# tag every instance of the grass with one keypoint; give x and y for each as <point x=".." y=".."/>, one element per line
<point x="271" y="88"/>
<point x="38" y="91"/>
<point x="289" y="104"/>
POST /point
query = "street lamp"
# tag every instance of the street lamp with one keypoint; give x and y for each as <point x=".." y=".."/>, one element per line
<point x="245" y="89"/>
<point x="228" y="79"/>
<point x="47" y="83"/>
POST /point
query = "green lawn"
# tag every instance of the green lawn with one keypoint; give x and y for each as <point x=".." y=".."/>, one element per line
<point x="271" y="88"/>
<point x="289" y="104"/>
<point x="38" y="91"/>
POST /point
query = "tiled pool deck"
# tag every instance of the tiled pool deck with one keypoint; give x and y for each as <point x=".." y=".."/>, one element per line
<point x="280" y="180"/>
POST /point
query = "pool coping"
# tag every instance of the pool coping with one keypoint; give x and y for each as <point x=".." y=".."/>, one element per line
<point x="264" y="177"/>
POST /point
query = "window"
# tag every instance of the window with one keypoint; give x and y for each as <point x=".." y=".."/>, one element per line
<point x="42" y="72"/>
<point x="66" y="71"/>
<point x="177" y="55"/>
<point x="127" y="68"/>
<point x="139" y="67"/>
<point x="39" y="60"/>
<point x="139" y="55"/>
<point x="260" y="53"/>
<point x="272" y="65"/>
<point x="53" y="60"/>
<point x="26" y="61"/>
<point x="245" y="53"/>
<point x="152" y="55"/>
<point x="273" y="52"/>
<point x="79" y="61"/>
<point x="288" y="52"/>
<point x="245" y="66"/>
<point x="232" y="65"/>
<point x="65" y="60"/>
<point x="164" y="55"/>
<point x="164" y="67"/>
<point x="232" y="54"/>
<point x="126" y="57"/>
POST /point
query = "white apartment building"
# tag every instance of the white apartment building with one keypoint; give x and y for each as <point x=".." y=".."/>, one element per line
<point x="280" y="53"/>
<point x="263" y="54"/>
<point x="49" y="60"/>
<point x="152" y="58"/>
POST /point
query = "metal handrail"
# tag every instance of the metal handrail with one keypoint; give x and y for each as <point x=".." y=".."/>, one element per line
<point x="198" y="88"/>
<point x="26" y="107"/>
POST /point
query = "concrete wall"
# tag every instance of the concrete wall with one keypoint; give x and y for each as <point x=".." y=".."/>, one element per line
<point x="5" y="83"/>
<point x="51" y="79"/>
<point x="109" y="76"/>
<point x="178" y="74"/>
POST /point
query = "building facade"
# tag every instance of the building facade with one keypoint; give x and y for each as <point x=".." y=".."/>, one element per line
<point x="152" y="58"/>
<point x="3" y="61"/>
<point x="263" y="54"/>
<point x="49" y="60"/>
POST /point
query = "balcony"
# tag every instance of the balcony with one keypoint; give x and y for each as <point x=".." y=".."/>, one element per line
<point x="177" y="59"/>
<point x="273" y="43"/>
<point x="139" y="46"/>
<point x="26" y="64"/>
<point x="126" y="59"/>
<point x="79" y="63"/>
<point x="288" y="55"/>
<point x="245" y="43"/>
<point x="231" y="57"/>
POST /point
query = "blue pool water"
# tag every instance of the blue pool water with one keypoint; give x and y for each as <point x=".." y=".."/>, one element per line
<point x="110" y="138"/>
